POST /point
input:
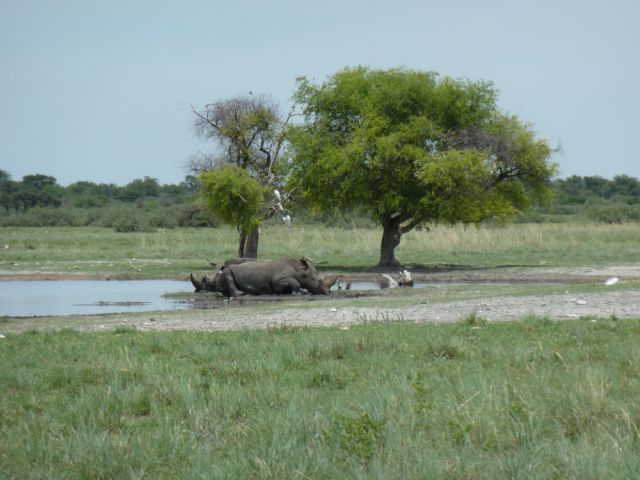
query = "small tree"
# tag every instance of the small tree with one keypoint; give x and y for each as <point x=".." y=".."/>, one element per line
<point x="37" y="191"/>
<point x="249" y="134"/>
<point x="236" y="198"/>
<point x="413" y="149"/>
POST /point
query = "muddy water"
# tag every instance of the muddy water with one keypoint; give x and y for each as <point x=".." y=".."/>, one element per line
<point x="87" y="297"/>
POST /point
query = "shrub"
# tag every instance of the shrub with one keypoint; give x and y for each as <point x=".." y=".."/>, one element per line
<point x="131" y="220"/>
<point x="187" y="216"/>
<point x="166" y="218"/>
<point x="46" y="217"/>
<point x="361" y="436"/>
<point x="613" y="213"/>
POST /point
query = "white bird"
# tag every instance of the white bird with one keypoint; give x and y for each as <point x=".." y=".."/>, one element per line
<point x="276" y="193"/>
<point x="612" y="281"/>
<point x="287" y="221"/>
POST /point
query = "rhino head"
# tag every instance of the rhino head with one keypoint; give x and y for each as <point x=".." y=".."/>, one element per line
<point x="311" y="279"/>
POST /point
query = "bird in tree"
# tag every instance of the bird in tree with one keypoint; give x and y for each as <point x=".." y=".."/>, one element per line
<point x="414" y="149"/>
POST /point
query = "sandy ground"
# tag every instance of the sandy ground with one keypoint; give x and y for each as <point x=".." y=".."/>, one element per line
<point x="559" y="307"/>
<point x="617" y="303"/>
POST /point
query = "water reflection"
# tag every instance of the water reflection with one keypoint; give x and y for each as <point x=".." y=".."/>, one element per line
<point x="86" y="297"/>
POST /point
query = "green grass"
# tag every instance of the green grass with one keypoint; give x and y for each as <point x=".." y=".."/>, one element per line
<point x="175" y="252"/>
<point x="532" y="399"/>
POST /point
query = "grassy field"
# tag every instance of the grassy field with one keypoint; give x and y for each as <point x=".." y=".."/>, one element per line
<point x="533" y="399"/>
<point x="176" y="252"/>
<point x="469" y="400"/>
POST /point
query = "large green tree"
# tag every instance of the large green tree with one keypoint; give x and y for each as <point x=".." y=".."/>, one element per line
<point x="249" y="134"/>
<point x="414" y="149"/>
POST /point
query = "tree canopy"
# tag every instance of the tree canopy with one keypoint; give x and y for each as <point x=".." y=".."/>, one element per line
<point x="249" y="134"/>
<point x="414" y="148"/>
<point x="233" y="196"/>
<point x="33" y="191"/>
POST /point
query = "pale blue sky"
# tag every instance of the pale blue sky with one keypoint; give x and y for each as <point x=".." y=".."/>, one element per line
<point x="100" y="90"/>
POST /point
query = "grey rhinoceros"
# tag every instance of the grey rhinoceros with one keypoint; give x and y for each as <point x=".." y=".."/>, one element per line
<point x="286" y="275"/>
<point x="208" y="284"/>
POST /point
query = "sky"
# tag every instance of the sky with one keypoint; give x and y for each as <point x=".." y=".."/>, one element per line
<point x="102" y="91"/>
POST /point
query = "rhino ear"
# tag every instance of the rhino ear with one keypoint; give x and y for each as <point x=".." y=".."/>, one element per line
<point x="305" y="262"/>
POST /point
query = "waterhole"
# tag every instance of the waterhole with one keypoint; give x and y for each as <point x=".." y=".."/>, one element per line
<point x="87" y="297"/>
<point x="28" y="298"/>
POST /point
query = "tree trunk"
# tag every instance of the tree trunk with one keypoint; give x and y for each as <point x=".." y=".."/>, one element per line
<point x="248" y="243"/>
<point x="241" y="242"/>
<point x="391" y="234"/>
<point x="251" y="247"/>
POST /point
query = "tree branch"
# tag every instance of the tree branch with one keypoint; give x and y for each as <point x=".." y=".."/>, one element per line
<point x="205" y="118"/>
<point x="413" y="223"/>
<point x="505" y="174"/>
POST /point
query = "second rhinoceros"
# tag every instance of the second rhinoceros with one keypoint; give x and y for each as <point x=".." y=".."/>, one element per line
<point x="208" y="284"/>
<point x="287" y="275"/>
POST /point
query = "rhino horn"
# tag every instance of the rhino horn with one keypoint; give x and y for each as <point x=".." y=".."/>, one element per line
<point x="197" y="284"/>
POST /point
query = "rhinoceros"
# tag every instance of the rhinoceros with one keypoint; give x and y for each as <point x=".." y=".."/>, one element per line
<point x="287" y="275"/>
<point x="208" y="284"/>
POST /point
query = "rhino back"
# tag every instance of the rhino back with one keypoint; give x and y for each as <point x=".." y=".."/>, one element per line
<point x="259" y="277"/>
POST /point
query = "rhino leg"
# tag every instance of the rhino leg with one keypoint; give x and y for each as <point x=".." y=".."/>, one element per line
<point x="286" y="285"/>
<point x="226" y="284"/>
